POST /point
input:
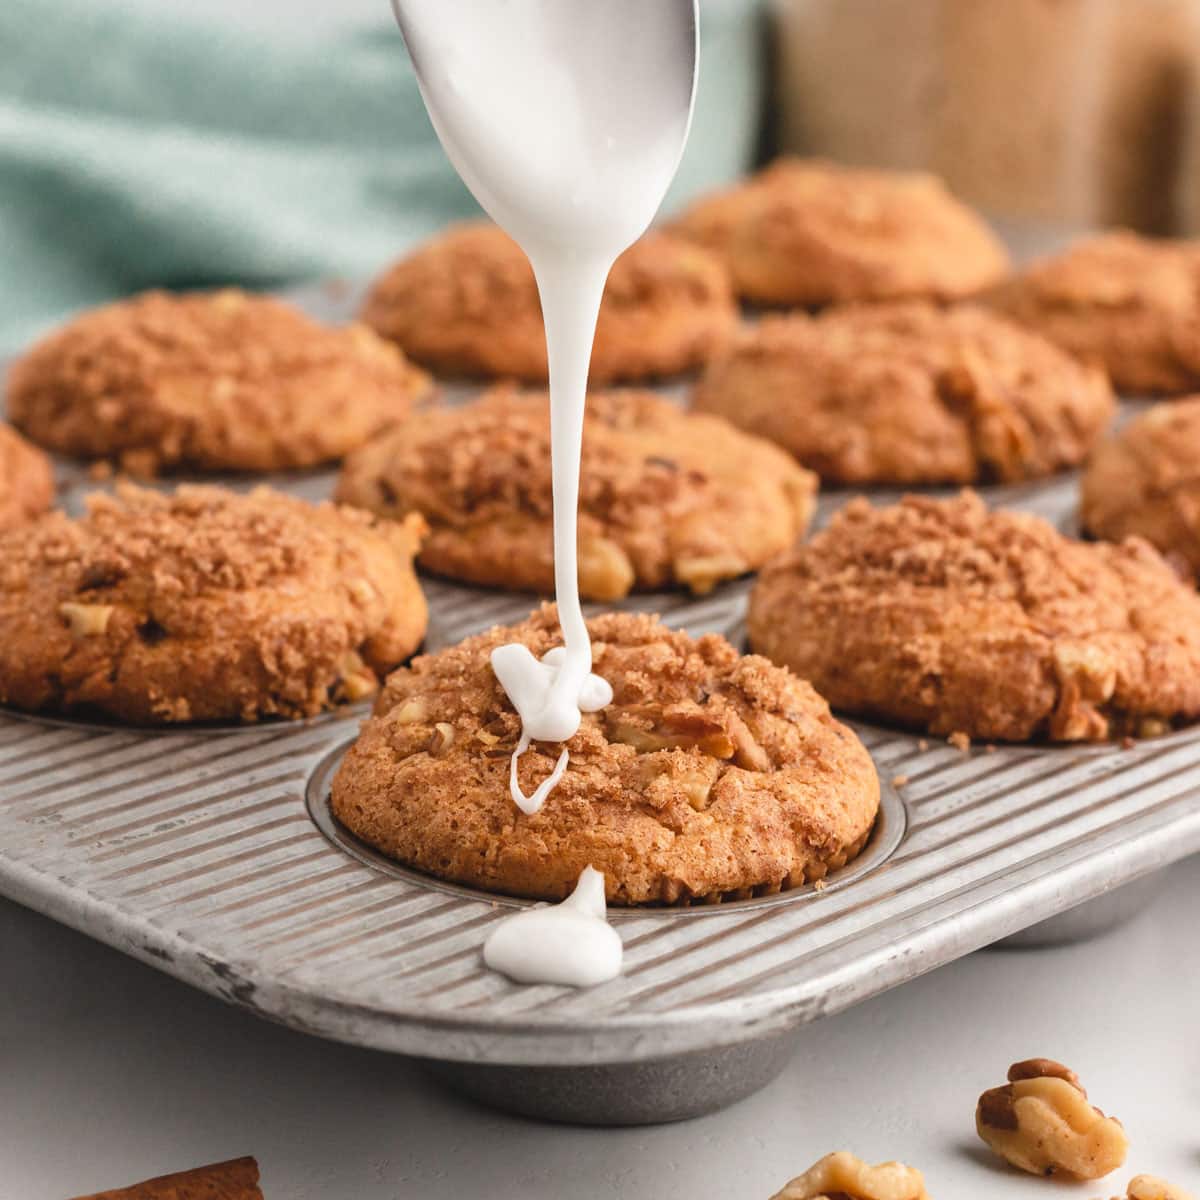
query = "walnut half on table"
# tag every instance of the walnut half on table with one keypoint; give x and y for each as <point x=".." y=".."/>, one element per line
<point x="1150" y="1187"/>
<point x="842" y="1176"/>
<point x="1042" y="1122"/>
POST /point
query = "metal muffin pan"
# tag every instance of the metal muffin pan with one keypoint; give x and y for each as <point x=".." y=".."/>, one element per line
<point x="209" y="853"/>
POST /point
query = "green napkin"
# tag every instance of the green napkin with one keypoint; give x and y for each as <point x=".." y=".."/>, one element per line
<point x="142" y="147"/>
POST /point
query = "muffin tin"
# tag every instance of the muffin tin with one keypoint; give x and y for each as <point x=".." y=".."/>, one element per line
<point x="210" y="854"/>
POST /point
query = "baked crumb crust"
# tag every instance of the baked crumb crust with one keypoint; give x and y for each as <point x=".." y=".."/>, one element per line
<point x="215" y="381"/>
<point x="810" y="232"/>
<point x="943" y="616"/>
<point x="666" y="497"/>
<point x="26" y="479"/>
<point x="466" y="303"/>
<point x="1128" y="303"/>
<point x="908" y="392"/>
<point x="204" y="605"/>
<point x="710" y="776"/>
<point x="1145" y="482"/>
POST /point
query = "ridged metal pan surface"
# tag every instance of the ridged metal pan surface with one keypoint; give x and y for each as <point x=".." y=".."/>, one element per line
<point x="208" y="853"/>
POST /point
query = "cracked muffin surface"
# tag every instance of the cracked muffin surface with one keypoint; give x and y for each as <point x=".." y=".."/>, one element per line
<point x="204" y="605"/>
<point x="711" y="775"/>
<point x="909" y="393"/>
<point x="1145" y="481"/>
<point x="1127" y="302"/>
<point x="810" y="232"/>
<point x="466" y="303"/>
<point x="213" y="381"/>
<point x="666" y="497"/>
<point x="941" y="615"/>
<point x="26" y="479"/>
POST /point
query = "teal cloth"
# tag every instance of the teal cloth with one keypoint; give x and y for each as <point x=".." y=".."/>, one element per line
<point x="142" y="147"/>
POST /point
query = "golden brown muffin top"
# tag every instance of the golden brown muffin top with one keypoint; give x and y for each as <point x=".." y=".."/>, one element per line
<point x="195" y="540"/>
<point x="475" y="270"/>
<point x="1145" y="481"/>
<point x="709" y="774"/>
<point x="268" y="600"/>
<point x="1113" y="271"/>
<point x="668" y="491"/>
<point x="1129" y="302"/>
<point x="218" y="380"/>
<point x="909" y="391"/>
<point x="466" y="303"/>
<point x="1018" y="560"/>
<point x="26" y="479"/>
<point x="936" y="608"/>
<point x="809" y="231"/>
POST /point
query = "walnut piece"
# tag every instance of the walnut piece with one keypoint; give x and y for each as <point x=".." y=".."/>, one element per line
<point x="1041" y="1122"/>
<point x="842" y="1176"/>
<point x="1043" y="1068"/>
<point x="1149" y="1187"/>
<point x="411" y="711"/>
<point x="662" y="774"/>
<point x="1087" y="677"/>
<point x="702" y="572"/>
<point x="747" y="752"/>
<point x="86" y="620"/>
<point x="357" y="679"/>
<point x="441" y="739"/>
<point x="605" y="572"/>
<point x="362" y="591"/>
<point x="670" y="730"/>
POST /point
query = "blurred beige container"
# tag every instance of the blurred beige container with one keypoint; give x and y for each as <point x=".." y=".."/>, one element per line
<point x="1063" y="110"/>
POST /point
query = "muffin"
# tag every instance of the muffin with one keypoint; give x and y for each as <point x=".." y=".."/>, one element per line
<point x="204" y="605"/>
<point x="942" y="616"/>
<point x="1126" y="302"/>
<point x="710" y="776"/>
<point x="466" y="303"/>
<point x="1144" y="482"/>
<point x="809" y="232"/>
<point x="26" y="479"/>
<point x="907" y="392"/>
<point x="666" y="497"/>
<point x="212" y="381"/>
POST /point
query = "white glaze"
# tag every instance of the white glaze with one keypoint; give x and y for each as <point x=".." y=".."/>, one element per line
<point x="570" y="943"/>
<point x="527" y="682"/>
<point x="567" y="121"/>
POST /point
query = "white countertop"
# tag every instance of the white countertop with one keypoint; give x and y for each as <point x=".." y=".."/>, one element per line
<point x="111" y="1072"/>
